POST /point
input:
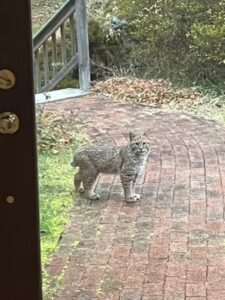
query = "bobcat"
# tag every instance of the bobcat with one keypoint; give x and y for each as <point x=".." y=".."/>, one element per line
<point x="127" y="161"/>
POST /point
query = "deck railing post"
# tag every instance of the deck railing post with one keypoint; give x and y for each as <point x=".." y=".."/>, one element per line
<point x="82" y="44"/>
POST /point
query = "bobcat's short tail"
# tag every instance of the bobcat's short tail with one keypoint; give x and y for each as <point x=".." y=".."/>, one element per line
<point x="73" y="164"/>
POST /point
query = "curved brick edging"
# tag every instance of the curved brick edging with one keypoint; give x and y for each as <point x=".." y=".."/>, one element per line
<point x="169" y="245"/>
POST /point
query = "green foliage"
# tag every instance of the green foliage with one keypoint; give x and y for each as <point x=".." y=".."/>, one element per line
<point x="68" y="82"/>
<point x="58" y="136"/>
<point x="107" y="49"/>
<point x="56" y="184"/>
<point x="42" y="10"/>
<point x="182" y="40"/>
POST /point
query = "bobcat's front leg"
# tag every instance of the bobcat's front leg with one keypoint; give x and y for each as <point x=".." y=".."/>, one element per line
<point x="137" y="196"/>
<point x="127" y="183"/>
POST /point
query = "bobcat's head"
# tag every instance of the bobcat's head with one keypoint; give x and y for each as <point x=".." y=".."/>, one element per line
<point x="139" y="144"/>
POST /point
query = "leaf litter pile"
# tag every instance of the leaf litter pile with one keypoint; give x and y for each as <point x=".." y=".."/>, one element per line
<point x="56" y="131"/>
<point x="153" y="92"/>
<point x="162" y="94"/>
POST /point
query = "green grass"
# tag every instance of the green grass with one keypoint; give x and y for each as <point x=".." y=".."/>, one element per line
<point x="58" y="136"/>
<point x="56" y="200"/>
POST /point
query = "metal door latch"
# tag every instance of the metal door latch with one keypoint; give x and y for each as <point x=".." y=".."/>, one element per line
<point x="9" y="122"/>
<point x="7" y="79"/>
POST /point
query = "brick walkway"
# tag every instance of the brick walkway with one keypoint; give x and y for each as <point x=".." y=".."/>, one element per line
<point x="170" y="244"/>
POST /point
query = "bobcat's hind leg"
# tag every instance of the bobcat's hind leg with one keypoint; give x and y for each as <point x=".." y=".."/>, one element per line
<point x="89" y="189"/>
<point x="89" y="180"/>
<point x="78" y="182"/>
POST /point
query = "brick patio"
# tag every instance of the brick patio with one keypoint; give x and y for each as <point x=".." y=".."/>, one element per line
<point x="170" y="244"/>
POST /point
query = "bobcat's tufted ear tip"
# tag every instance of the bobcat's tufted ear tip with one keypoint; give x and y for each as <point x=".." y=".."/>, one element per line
<point x="131" y="135"/>
<point x="145" y="134"/>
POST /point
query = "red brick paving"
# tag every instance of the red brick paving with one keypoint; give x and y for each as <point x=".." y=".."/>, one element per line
<point x="169" y="245"/>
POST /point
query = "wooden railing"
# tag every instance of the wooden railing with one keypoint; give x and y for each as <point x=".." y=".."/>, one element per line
<point x="61" y="46"/>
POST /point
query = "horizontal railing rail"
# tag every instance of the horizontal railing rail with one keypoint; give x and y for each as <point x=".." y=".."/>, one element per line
<point x="61" y="46"/>
<point x="54" y="23"/>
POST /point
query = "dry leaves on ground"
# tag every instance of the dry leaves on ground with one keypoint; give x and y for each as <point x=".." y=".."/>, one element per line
<point x="154" y="92"/>
<point x="56" y="131"/>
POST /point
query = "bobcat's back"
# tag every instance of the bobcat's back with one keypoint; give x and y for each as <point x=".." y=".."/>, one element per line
<point x="113" y="159"/>
<point x="104" y="160"/>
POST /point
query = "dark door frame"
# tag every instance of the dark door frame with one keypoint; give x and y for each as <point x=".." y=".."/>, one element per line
<point x="20" y="268"/>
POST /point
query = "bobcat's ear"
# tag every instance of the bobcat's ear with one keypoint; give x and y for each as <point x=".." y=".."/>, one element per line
<point x="144" y="134"/>
<point x="131" y="135"/>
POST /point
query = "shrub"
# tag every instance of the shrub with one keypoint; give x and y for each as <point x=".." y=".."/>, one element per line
<point x="179" y="40"/>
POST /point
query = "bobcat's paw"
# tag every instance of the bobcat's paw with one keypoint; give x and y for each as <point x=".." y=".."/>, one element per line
<point x="131" y="199"/>
<point x="137" y="196"/>
<point x="94" y="197"/>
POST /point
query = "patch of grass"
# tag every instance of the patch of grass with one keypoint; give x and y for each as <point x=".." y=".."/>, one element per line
<point x="57" y="136"/>
<point x="56" y="184"/>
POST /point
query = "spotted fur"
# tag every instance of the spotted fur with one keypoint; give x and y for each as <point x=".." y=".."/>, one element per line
<point x="128" y="161"/>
